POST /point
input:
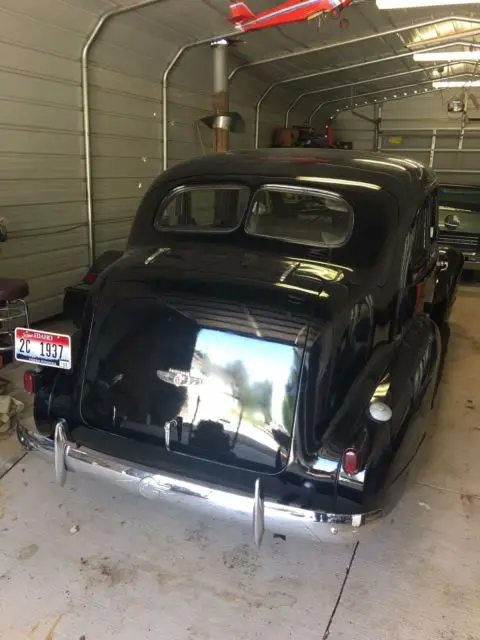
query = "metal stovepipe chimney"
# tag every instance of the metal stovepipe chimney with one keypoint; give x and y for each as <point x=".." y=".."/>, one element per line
<point x="221" y="123"/>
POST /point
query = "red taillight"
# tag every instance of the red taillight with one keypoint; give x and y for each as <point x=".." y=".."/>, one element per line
<point x="90" y="277"/>
<point x="330" y="135"/>
<point x="350" y="462"/>
<point x="419" y="289"/>
<point x="29" y="381"/>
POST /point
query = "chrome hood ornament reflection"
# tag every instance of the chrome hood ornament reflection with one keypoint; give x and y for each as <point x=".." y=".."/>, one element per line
<point x="179" y="378"/>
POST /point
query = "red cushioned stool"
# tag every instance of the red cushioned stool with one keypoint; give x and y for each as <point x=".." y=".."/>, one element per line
<point x="13" y="313"/>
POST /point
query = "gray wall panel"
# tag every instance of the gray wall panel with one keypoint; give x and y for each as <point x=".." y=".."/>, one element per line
<point x="42" y="185"/>
<point x="30" y="88"/>
<point x="27" y="166"/>
<point x="42" y="188"/>
<point x="16" y="140"/>
<point x="40" y="35"/>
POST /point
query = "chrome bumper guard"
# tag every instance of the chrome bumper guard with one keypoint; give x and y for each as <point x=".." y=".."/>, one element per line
<point x="282" y="519"/>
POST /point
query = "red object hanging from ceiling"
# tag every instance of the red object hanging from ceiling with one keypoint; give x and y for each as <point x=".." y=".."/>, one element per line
<point x="243" y="19"/>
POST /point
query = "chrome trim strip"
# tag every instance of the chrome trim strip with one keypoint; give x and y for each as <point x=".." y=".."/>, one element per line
<point x="258" y="514"/>
<point x="151" y="484"/>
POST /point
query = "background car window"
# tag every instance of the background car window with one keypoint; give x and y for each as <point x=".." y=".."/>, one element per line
<point x="459" y="197"/>
<point x="421" y="238"/>
<point x="307" y="216"/>
<point x="459" y="209"/>
<point x="210" y="207"/>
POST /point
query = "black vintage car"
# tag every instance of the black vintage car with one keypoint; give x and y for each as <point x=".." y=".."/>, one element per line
<point x="268" y="344"/>
<point x="459" y="221"/>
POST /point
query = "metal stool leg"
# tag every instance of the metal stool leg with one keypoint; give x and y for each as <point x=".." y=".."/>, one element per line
<point x="25" y="310"/>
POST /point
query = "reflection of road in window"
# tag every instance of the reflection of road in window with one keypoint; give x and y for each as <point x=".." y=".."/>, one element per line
<point x="248" y="377"/>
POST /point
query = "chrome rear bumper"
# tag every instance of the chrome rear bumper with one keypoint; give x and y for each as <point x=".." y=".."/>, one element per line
<point x="149" y="483"/>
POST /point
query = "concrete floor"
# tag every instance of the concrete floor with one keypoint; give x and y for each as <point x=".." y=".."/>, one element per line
<point x="133" y="572"/>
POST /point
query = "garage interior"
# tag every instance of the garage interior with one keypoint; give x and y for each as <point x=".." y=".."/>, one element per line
<point x="98" y="98"/>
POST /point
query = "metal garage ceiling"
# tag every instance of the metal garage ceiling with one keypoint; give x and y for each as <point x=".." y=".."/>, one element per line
<point x="374" y="54"/>
<point x="183" y="21"/>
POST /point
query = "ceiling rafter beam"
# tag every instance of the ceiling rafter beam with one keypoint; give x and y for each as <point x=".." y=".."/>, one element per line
<point x="358" y="40"/>
<point x="330" y="70"/>
<point x="367" y="80"/>
<point x="349" y="107"/>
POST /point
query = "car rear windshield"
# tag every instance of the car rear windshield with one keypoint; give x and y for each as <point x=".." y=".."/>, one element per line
<point x="203" y="208"/>
<point x="300" y="215"/>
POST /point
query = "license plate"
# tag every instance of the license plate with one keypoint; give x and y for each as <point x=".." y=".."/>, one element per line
<point x="43" y="348"/>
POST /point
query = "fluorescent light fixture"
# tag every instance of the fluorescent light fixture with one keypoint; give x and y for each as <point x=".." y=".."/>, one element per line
<point x="447" y="56"/>
<point x="415" y="4"/>
<point x="455" y="84"/>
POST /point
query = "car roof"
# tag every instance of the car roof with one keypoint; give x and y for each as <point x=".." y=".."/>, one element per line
<point x="402" y="177"/>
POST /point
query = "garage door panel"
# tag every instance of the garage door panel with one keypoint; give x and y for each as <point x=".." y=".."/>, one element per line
<point x="15" y="140"/>
<point x="127" y="60"/>
<point x="73" y="19"/>
<point x="28" y="115"/>
<point x="120" y="188"/>
<point x="54" y="242"/>
<point x="26" y="192"/>
<point x="115" y="208"/>
<point x="112" y="231"/>
<point x="186" y="97"/>
<point x="47" y="38"/>
<point x="122" y="126"/>
<point x="111" y="244"/>
<point x="27" y="219"/>
<point x="34" y="62"/>
<point x="471" y="140"/>
<point x="115" y="80"/>
<point x="33" y="89"/>
<point x="41" y="166"/>
<point x="52" y="261"/>
<point x="126" y="147"/>
<point x="113" y="167"/>
<point x="458" y="160"/>
<point x="46" y="292"/>
<point x="129" y="105"/>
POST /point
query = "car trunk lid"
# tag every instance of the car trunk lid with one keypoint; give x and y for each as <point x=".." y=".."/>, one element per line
<point x="205" y="364"/>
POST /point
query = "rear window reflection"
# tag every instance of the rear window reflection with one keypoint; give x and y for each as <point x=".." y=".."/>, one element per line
<point x="306" y="216"/>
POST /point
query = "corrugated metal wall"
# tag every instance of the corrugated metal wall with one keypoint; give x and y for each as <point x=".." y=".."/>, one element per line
<point x="42" y="187"/>
<point x="421" y="128"/>
<point x="41" y="173"/>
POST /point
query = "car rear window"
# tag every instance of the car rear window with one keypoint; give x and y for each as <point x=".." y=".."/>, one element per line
<point x="300" y="215"/>
<point x="203" y="208"/>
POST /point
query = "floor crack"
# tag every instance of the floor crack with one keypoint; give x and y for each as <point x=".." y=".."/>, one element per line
<point x="340" y="593"/>
<point x="12" y="465"/>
